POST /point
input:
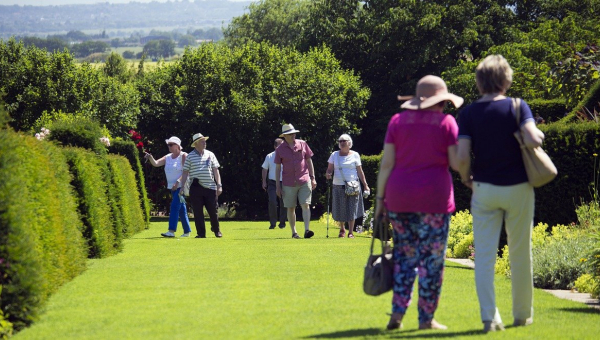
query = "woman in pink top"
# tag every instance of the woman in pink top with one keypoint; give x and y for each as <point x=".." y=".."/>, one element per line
<point x="415" y="193"/>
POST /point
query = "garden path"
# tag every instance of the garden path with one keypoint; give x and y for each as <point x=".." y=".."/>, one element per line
<point x="561" y="293"/>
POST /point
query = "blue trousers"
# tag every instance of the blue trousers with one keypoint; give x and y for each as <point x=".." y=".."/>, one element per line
<point x="178" y="211"/>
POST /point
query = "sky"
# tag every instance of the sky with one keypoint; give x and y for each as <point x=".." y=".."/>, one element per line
<point x="73" y="2"/>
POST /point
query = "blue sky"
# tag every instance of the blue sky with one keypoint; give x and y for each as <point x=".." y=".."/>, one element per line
<point x="73" y="2"/>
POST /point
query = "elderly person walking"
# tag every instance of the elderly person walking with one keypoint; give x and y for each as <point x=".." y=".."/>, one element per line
<point x="298" y="177"/>
<point x="173" y="163"/>
<point x="345" y="166"/>
<point x="414" y="189"/>
<point x="501" y="191"/>
<point x="268" y="184"/>
<point x="202" y="169"/>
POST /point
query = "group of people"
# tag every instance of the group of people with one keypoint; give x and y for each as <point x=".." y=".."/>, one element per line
<point x="414" y="189"/>
<point x="415" y="192"/>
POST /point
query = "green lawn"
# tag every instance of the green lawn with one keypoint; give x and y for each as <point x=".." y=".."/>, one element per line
<point x="262" y="284"/>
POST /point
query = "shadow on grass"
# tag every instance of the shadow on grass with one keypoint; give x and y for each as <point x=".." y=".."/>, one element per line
<point x="457" y="266"/>
<point x="583" y="310"/>
<point x="407" y="334"/>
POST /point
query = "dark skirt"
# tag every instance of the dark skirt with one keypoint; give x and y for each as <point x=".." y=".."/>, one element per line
<point x="346" y="208"/>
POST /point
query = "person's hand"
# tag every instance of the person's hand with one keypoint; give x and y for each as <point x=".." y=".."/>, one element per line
<point x="278" y="190"/>
<point x="264" y="186"/>
<point x="328" y="175"/>
<point x="380" y="211"/>
<point x="219" y="191"/>
<point x="313" y="183"/>
<point x="147" y="155"/>
<point x="468" y="182"/>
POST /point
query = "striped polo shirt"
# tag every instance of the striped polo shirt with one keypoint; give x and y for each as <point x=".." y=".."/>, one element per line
<point x="201" y="167"/>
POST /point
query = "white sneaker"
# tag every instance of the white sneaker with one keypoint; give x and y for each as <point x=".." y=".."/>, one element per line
<point x="185" y="235"/>
<point x="168" y="234"/>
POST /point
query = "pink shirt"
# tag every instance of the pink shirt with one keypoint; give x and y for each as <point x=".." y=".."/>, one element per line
<point x="421" y="180"/>
<point x="295" y="168"/>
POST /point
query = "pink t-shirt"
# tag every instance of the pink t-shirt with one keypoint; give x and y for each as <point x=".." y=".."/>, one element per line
<point x="295" y="168"/>
<point x="421" y="180"/>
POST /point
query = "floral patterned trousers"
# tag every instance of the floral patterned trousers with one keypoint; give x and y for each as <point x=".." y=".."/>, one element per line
<point x="420" y="242"/>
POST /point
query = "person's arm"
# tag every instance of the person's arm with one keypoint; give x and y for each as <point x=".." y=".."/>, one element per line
<point x="184" y="177"/>
<point x="311" y="173"/>
<point x="532" y="136"/>
<point x="388" y="161"/>
<point x="265" y="172"/>
<point x="453" y="157"/>
<point x="278" y="179"/>
<point x="464" y="161"/>
<point x="218" y="181"/>
<point x="155" y="163"/>
<point x="329" y="172"/>
<point x="362" y="177"/>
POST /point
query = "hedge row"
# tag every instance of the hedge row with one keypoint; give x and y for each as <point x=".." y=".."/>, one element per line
<point x="58" y="206"/>
<point x="571" y="146"/>
<point x="550" y="110"/>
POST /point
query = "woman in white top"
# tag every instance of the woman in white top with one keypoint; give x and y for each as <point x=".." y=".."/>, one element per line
<point x="346" y="208"/>
<point x="173" y="163"/>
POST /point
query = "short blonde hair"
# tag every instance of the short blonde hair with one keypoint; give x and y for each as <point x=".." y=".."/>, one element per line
<point x="347" y="137"/>
<point x="493" y="74"/>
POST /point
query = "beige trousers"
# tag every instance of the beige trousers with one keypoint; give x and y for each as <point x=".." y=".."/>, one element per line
<point x="490" y="206"/>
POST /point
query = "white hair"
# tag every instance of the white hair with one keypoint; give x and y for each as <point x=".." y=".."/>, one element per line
<point x="347" y="137"/>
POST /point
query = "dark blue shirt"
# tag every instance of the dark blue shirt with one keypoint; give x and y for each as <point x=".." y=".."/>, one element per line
<point x="496" y="154"/>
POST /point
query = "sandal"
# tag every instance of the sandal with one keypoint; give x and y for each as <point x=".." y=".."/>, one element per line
<point x="342" y="233"/>
<point x="350" y="235"/>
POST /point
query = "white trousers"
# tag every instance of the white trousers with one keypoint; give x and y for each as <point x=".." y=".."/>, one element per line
<point x="490" y="206"/>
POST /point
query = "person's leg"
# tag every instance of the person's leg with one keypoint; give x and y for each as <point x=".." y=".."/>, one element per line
<point x="183" y="216"/>
<point x="433" y="237"/>
<point x="487" y="224"/>
<point x="174" y="212"/>
<point x="405" y="258"/>
<point x="197" y="201"/>
<point x="305" y="198"/>
<point x="342" y="230"/>
<point x="282" y="213"/>
<point x="351" y="228"/>
<point x="271" y="190"/>
<point x="290" y="195"/>
<point x="519" y="225"/>
<point x="210" y="201"/>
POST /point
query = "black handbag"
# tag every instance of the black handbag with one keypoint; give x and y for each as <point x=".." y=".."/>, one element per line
<point x="379" y="271"/>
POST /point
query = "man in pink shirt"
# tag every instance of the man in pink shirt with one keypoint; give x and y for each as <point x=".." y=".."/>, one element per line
<point x="298" y="177"/>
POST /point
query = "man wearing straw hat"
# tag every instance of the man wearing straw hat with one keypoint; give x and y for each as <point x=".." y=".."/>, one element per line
<point x="202" y="168"/>
<point x="298" y="177"/>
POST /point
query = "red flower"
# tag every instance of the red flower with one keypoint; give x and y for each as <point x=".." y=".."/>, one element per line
<point x="140" y="145"/>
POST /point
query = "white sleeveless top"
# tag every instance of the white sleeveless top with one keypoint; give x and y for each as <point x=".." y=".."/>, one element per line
<point x="173" y="169"/>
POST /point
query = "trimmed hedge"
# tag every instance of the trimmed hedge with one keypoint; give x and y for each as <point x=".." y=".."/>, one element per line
<point x="41" y="244"/>
<point x="550" y="110"/>
<point x="128" y="149"/>
<point x="571" y="146"/>
<point x="94" y="201"/>
<point x="79" y="132"/>
<point x="589" y="102"/>
<point x="125" y="185"/>
<point x="370" y="165"/>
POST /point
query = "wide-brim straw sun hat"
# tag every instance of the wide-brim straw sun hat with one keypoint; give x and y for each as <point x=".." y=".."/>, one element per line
<point x="430" y="91"/>
<point x="287" y="129"/>
<point x="198" y="137"/>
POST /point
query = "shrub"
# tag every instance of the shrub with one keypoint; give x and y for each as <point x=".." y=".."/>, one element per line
<point x="558" y="264"/>
<point x="550" y="110"/>
<point x="94" y="205"/>
<point x="79" y="132"/>
<point x="464" y="247"/>
<point x="128" y="149"/>
<point x="502" y="266"/>
<point x="461" y="226"/>
<point x="587" y="284"/>
<point x="127" y="195"/>
<point x="41" y="245"/>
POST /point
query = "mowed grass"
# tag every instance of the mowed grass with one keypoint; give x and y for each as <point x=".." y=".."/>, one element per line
<point x="256" y="283"/>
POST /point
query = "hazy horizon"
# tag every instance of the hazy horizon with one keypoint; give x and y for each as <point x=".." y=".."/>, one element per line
<point x="83" y="2"/>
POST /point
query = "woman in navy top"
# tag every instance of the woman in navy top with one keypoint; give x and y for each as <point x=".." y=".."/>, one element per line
<point x="501" y="191"/>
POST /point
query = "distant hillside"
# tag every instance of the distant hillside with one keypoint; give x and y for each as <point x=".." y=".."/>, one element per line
<point x="29" y="20"/>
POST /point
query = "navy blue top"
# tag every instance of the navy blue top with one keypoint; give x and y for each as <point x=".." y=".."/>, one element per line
<point x="490" y="126"/>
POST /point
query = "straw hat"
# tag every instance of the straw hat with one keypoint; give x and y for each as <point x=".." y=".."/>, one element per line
<point x="430" y="91"/>
<point x="197" y="137"/>
<point x="287" y="129"/>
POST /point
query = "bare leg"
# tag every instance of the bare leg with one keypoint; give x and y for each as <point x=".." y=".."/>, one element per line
<point x="306" y="215"/>
<point x="291" y="215"/>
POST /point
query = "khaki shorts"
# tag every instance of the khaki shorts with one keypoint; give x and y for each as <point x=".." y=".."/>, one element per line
<point x="301" y="193"/>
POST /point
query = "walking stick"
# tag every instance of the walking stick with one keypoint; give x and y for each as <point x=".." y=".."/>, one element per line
<point x="328" y="197"/>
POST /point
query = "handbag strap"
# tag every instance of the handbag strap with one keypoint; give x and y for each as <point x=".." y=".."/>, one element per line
<point x="340" y="165"/>
<point x="517" y="105"/>
<point x="382" y="230"/>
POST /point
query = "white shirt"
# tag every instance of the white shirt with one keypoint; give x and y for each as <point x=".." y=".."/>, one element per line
<point x="173" y="169"/>
<point x="269" y="164"/>
<point x="348" y="164"/>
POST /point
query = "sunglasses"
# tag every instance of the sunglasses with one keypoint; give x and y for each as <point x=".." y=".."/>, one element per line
<point x="171" y="144"/>
<point x="342" y="141"/>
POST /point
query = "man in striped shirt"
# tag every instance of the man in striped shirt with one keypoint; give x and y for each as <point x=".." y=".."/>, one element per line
<point x="202" y="169"/>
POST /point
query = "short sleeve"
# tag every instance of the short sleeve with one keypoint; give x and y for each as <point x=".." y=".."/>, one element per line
<point x="215" y="162"/>
<point x="265" y="164"/>
<point x="450" y="130"/>
<point x="188" y="164"/>
<point x="464" y="128"/>
<point x="331" y="160"/>
<point x="357" y="158"/>
<point x="389" y="135"/>
<point x="309" y="152"/>
<point x="277" y="159"/>
<point x="526" y="114"/>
